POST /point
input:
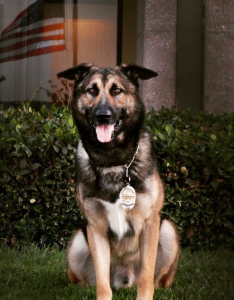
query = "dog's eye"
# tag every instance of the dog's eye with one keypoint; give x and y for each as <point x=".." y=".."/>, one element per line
<point x="92" y="91"/>
<point x="117" y="91"/>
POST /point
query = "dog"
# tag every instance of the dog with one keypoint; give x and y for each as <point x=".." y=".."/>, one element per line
<point x="119" y="190"/>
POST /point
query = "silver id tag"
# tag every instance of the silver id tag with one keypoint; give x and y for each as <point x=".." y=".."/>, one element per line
<point x="127" y="197"/>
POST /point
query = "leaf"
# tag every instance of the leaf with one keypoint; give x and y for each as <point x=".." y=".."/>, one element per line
<point x="213" y="136"/>
<point x="23" y="163"/>
<point x="17" y="147"/>
<point x="229" y="156"/>
<point x="229" y="224"/>
<point x="230" y="169"/>
<point x="22" y="222"/>
<point x="44" y="238"/>
<point x="23" y="172"/>
<point x="29" y="152"/>
<point x="59" y="132"/>
<point x="51" y="138"/>
<point x="18" y="126"/>
<point x="65" y="150"/>
<point x="184" y="170"/>
<point x="49" y="181"/>
<point x="169" y="129"/>
<point x="6" y="177"/>
<point x="70" y="121"/>
<point x="44" y="109"/>
<point x="46" y="127"/>
<point x="162" y="137"/>
<point x="56" y="148"/>
<point x="214" y="184"/>
<point x="35" y="166"/>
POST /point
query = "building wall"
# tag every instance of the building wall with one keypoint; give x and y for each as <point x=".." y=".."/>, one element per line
<point x="1" y="15"/>
<point x="190" y="54"/>
<point x="156" y="46"/>
<point x="219" y="56"/>
<point x="201" y="75"/>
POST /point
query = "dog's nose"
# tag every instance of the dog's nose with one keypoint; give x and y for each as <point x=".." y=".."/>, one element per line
<point x="103" y="115"/>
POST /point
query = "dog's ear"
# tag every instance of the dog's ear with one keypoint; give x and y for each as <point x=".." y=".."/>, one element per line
<point x="76" y="73"/>
<point x="134" y="72"/>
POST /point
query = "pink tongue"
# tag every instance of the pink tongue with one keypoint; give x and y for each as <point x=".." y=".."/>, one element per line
<point x="104" y="133"/>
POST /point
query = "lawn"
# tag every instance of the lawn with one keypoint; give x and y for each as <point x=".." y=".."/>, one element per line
<point x="33" y="274"/>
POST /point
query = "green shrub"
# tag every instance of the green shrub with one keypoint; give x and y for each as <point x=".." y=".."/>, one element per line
<point x="195" y="153"/>
<point x="195" y="156"/>
<point x="37" y="184"/>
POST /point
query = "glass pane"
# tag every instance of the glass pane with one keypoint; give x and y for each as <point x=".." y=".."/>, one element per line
<point x="41" y="38"/>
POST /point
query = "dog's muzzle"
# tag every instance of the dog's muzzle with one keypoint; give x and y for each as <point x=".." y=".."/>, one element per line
<point x="106" y="124"/>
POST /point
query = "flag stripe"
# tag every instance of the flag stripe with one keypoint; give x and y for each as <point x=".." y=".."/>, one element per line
<point x="31" y="41"/>
<point x="33" y="50"/>
<point x="35" y="39"/>
<point x="32" y="36"/>
<point x="28" y="48"/>
<point x="37" y="27"/>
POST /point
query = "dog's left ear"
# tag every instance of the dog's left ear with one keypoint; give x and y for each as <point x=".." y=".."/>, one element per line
<point x="133" y="71"/>
<point x="76" y="73"/>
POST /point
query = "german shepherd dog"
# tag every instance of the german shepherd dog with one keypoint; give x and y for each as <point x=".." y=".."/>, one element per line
<point x="119" y="190"/>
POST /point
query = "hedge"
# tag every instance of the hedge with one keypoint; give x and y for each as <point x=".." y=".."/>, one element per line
<point x="195" y="153"/>
<point x="195" y="157"/>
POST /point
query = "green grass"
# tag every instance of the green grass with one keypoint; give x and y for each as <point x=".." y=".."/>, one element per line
<point x="32" y="274"/>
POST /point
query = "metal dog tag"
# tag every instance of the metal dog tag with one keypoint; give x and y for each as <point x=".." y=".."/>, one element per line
<point x="127" y="197"/>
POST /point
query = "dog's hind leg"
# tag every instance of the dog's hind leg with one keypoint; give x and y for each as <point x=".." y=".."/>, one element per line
<point x="79" y="261"/>
<point x="167" y="256"/>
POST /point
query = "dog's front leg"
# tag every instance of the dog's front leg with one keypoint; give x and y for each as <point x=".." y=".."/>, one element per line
<point x="148" y="252"/>
<point x="100" y="250"/>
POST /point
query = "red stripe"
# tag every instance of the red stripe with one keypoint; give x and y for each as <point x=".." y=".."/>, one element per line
<point x="31" y="41"/>
<point x="34" y="53"/>
<point x="33" y="31"/>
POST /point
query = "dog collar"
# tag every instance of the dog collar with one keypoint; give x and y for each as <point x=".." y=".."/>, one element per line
<point x="128" y="179"/>
<point x="128" y="195"/>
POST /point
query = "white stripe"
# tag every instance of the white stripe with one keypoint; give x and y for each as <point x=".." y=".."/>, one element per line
<point x="32" y="36"/>
<point x="34" y="46"/>
<point x="35" y="25"/>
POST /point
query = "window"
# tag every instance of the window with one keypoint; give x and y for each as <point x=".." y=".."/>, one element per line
<point x="41" y="38"/>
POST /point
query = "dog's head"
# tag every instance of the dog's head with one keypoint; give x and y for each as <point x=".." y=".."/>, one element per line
<point x="106" y="105"/>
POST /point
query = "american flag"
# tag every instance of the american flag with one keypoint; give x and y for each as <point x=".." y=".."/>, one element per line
<point x="32" y="34"/>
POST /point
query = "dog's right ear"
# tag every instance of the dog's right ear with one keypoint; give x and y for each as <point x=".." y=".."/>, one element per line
<point x="136" y="71"/>
<point x="133" y="72"/>
<point x="76" y="73"/>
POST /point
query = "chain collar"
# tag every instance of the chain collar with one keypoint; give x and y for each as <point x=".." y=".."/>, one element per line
<point x="128" y="179"/>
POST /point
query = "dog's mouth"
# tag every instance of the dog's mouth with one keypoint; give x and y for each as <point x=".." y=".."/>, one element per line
<point x="107" y="132"/>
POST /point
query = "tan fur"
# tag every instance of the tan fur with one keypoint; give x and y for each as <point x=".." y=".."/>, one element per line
<point x="72" y="276"/>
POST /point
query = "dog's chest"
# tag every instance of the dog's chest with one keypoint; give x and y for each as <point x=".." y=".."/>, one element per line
<point x="111" y="179"/>
<point x="117" y="218"/>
